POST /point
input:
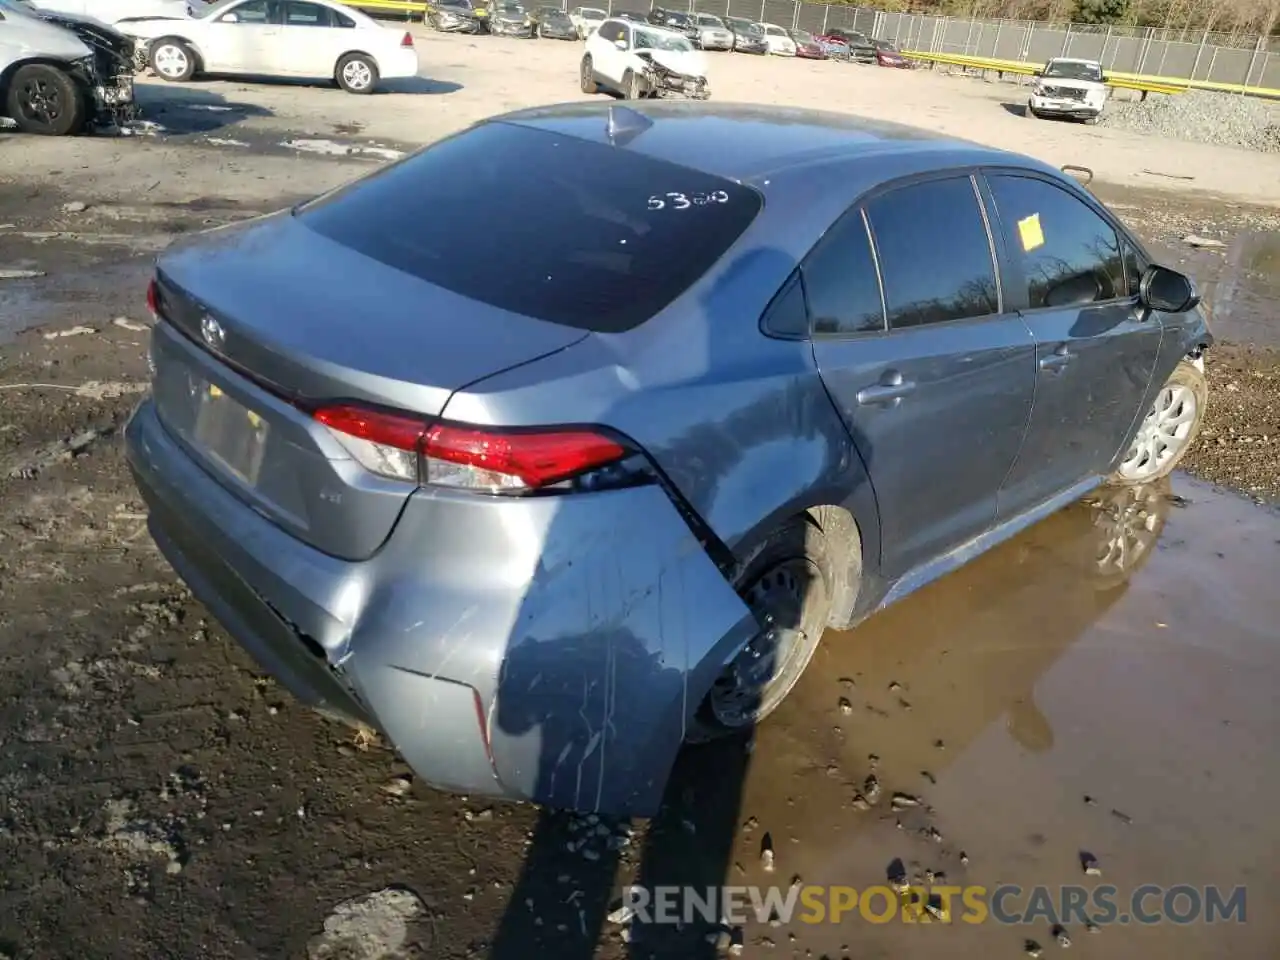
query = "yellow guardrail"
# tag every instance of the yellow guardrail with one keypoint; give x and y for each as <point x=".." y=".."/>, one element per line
<point x="1127" y="81"/>
<point x="398" y="6"/>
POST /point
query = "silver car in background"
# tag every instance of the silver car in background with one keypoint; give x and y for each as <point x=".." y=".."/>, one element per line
<point x="713" y="34"/>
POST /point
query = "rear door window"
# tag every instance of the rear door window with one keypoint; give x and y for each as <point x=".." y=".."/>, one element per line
<point x="841" y="283"/>
<point x="1069" y="255"/>
<point x="539" y="223"/>
<point x="935" y="255"/>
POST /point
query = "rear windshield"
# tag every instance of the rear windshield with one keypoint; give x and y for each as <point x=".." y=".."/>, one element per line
<point x="577" y="233"/>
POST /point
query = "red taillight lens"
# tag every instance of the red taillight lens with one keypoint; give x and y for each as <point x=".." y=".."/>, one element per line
<point x="153" y="299"/>
<point x="533" y="459"/>
<point x="408" y="40"/>
<point x="406" y="448"/>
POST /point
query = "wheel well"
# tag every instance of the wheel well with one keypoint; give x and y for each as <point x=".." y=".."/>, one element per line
<point x="7" y="74"/>
<point x="151" y="44"/>
<point x="355" y="53"/>
<point x="844" y="538"/>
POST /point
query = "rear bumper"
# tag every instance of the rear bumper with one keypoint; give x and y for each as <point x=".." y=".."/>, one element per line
<point x="401" y="65"/>
<point x="543" y="649"/>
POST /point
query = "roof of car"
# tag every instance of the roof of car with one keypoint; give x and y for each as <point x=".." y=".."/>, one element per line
<point x="742" y="141"/>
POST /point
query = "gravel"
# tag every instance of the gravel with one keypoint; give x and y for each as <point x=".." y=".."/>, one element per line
<point x="1223" y="118"/>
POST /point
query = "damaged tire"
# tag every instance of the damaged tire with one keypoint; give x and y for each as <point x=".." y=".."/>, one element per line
<point x="45" y="101"/>
<point x="633" y="86"/>
<point x="357" y="73"/>
<point x="173" y="60"/>
<point x="789" y="582"/>
<point x="589" y="85"/>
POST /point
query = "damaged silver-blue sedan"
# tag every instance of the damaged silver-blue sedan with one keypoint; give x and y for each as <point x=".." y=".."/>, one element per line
<point x="559" y="444"/>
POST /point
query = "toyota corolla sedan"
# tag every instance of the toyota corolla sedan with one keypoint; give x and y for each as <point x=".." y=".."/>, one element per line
<point x="544" y="498"/>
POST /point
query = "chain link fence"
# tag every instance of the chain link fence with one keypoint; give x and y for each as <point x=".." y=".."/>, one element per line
<point x="1181" y="54"/>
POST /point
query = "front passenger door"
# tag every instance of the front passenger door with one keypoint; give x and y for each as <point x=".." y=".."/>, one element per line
<point x="241" y="40"/>
<point x="932" y="376"/>
<point x="1096" y="347"/>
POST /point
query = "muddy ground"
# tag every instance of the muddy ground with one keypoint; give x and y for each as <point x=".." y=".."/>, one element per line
<point x="160" y="797"/>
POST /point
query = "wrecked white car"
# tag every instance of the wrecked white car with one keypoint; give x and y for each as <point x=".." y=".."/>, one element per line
<point x="61" y="74"/>
<point x="638" y="60"/>
<point x="1066" y="87"/>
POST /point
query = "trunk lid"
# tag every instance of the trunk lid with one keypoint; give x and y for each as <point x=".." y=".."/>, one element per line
<point x="267" y="319"/>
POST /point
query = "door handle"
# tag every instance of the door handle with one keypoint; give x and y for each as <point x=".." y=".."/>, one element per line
<point x="889" y="390"/>
<point x="1056" y="360"/>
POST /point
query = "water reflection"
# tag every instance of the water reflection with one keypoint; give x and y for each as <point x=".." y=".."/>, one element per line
<point x="1241" y="287"/>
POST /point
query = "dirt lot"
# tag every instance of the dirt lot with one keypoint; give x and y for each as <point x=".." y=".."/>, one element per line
<point x="159" y="797"/>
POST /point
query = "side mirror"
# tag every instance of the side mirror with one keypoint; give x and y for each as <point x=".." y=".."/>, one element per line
<point x="620" y="44"/>
<point x="231" y="18"/>
<point x="1167" y="290"/>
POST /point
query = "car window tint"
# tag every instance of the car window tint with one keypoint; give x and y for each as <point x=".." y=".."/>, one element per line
<point x="538" y="223"/>
<point x="841" y="283"/>
<point x="787" y="315"/>
<point x="305" y="15"/>
<point x="1069" y="254"/>
<point x="1135" y="265"/>
<point x="253" y="11"/>
<point x="935" y="255"/>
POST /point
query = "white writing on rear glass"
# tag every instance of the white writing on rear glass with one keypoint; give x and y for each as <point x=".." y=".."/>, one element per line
<point x="680" y="201"/>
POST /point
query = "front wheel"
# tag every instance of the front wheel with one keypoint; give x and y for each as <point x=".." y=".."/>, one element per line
<point x="788" y="582"/>
<point x="1029" y="112"/>
<point x="357" y="73"/>
<point x="44" y="100"/>
<point x="1169" y="428"/>
<point x="173" y="60"/>
<point x="633" y="86"/>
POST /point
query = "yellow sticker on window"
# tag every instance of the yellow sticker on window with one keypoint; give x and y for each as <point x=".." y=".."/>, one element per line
<point x="1030" y="233"/>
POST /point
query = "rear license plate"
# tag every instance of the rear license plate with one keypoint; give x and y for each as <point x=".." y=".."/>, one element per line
<point x="233" y="434"/>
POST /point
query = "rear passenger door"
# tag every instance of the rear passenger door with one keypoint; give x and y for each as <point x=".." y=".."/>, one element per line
<point x="1096" y="347"/>
<point x="313" y="39"/>
<point x="932" y="375"/>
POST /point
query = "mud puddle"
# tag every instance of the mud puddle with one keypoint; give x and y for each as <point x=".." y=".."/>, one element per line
<point x="1101" y="686"/>
<point x="1239" y="279"/>
<point x="92" y="293"/>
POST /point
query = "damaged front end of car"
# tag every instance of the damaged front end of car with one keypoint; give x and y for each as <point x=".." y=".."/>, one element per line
<point x="663" y="80"/>
<point x="106" y="75"/>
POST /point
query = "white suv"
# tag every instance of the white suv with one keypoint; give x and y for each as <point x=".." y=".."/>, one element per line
<point x="1069" y="88"/>
<point x="640" y="60"/>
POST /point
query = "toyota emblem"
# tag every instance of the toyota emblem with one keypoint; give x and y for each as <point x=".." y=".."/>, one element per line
<point x="212" y="332"/>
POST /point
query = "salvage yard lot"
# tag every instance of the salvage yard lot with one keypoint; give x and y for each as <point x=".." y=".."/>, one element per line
<point x="159" y="797"/>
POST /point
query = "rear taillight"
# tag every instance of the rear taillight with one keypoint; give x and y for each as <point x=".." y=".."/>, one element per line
<point x="407" y="41"/>
<point x="453" y="455"/>
<point x="153" y="299"/>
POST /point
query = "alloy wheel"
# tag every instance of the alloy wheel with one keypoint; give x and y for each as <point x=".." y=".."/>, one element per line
<point x="1163" y="434"/>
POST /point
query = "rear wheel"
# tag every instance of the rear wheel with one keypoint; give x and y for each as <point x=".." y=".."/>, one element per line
<point x="173" y="60"/>
<point x="357" y="73"/>
<point x="1169" y="428"/>
<point x="589" y="85"/>
<point x="45" y="100"/>
<point x="788" y="582"/>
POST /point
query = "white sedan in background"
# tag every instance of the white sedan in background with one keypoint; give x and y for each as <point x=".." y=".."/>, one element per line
<point x="304" y="39"/>
<point x="779" y="41"/>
